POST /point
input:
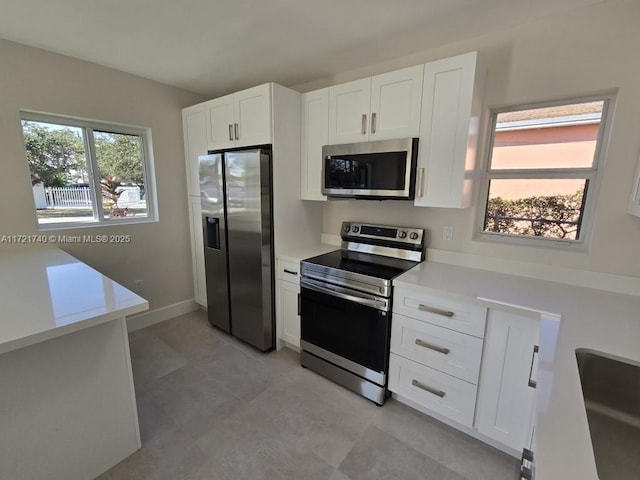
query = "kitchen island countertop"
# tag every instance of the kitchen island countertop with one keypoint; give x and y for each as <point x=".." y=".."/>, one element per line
<point x="68" y="407"/>
<point x="46" y="293"/>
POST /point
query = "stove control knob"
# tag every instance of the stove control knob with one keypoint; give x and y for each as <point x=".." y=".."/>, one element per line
<point x="347" y="228"/>
<point x="413" y="236"/>
<point x="356" y="229"/>
<point x="402" y="234"/>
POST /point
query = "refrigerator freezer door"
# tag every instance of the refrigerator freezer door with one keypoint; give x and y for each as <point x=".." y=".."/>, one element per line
<point x="248" y="189"/>
<point x="215" y="246"/>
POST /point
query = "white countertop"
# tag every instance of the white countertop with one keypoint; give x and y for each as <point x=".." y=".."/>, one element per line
<point x="46" y="293"/>
<point x="594" y="319"/>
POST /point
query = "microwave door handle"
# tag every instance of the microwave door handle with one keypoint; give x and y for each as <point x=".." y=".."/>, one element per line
<point x="352" y="298"/>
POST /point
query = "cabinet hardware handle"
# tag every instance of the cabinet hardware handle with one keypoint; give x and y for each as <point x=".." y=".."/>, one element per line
<point x="299" y="305"/>
<point x="231" y="132"/>
<point x="431" y="346"/>
<point x="235" y="130"/>
<point x="420" y="182"/>
<point x="437" y="311"/>
<point x="533" y="383"/>
<point x="373" y="122"/>
<point x="364" y="124"/>
<point x="290" y="271"/>
<point x="525" y="473"/>
<point x="527" y="455"/>
<point x="426" y="388"/>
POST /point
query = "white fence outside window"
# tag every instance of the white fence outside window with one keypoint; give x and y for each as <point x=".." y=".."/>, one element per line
<point x="73" y="197"/>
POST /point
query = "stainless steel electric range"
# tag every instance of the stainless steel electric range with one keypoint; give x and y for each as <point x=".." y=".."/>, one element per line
<point x="346" y="305"/>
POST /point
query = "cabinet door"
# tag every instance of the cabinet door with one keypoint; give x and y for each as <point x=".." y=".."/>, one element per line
<point x="395" y="104"/>
<point x="195" y="144"/>
<point x="451" y="109"/>
<point x="288" y="318"/>
<point x="505" y="399"/>
<point x="220" y="121"/>
<point x="252" y="108"/>
<point x="197" y="251"/>
<point x="315" y="134"/>
<point x="349" y="112"/>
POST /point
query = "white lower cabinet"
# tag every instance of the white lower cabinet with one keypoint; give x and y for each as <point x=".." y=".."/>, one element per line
<point x="287" y="311"/>
<point x="444" y="361"/>
<point x="506" y="394"/>
<point x="434" y="361"/>
<point x="431" y="389"/>
<point x="446" y="350"/>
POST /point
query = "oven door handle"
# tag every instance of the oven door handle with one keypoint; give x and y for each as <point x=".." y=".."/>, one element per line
<point x="339" y="293"/>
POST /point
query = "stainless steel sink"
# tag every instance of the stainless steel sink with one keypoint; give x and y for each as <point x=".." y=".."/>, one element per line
<point x="611" y="391"/>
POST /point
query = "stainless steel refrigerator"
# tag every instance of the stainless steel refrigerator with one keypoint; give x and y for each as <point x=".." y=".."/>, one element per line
<point x="236" y="197"/>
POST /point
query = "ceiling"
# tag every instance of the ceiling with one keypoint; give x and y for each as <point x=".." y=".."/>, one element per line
<point x="215" y="47"/>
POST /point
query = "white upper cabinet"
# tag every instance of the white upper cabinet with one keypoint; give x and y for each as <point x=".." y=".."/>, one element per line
<point x="195" y="144"/>
<point x="395" y="104"/>
<point x="241" y="119"/>
<point x="349" y="112"/>
<point x="376" y="108"/>
<point x="315" y="134"/>
<point x="451" y="109"/>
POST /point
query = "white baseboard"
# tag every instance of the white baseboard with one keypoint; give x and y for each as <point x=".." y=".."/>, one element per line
<point x="151" y="317"/>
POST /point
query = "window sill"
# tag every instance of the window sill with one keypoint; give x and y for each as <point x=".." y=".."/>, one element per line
<point x="572" y="246"/>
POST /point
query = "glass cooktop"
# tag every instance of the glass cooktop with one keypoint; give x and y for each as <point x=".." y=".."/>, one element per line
<point x="363" y="263"/>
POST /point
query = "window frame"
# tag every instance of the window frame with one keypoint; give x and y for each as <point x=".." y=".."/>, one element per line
<point x="88" y="127"/>
<point x="592" y="174"/>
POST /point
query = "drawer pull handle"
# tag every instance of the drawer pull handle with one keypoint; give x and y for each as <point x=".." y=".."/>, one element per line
<point x="437" y="311"/>
<point x="431" y="346"/>
<point x="533" y="383"/>
<point x="231" y="132"/>
<point x="364" y="124"/>
<point x="426" y="388"/>
<point x="290" y="272"/>
<point x="235" y="130"/>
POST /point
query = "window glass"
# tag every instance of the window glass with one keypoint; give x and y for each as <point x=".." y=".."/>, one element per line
<point x="121" y="170"/>
<point x="541" y="165"/>
<point x="82" y="173"/>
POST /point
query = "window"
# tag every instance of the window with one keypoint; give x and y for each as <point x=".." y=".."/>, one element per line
<point x="85" y="172"/>
<point x="541" y="173"/>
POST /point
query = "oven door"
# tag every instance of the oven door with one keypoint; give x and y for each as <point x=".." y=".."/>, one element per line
<point x="346" y="327"/>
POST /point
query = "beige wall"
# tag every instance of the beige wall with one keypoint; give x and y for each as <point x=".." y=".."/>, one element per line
<point x="591" y="50"/>
<point x="34" y="79"/>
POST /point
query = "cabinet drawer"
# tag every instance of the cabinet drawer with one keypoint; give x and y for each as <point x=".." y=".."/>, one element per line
<point x="433" y="390"/>
<point x="458" y="315"/>
<point x="289" y="271"/>
<point x="451" y="352"/>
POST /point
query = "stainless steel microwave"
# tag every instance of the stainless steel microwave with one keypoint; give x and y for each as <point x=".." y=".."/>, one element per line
<point x="379" y="170"/>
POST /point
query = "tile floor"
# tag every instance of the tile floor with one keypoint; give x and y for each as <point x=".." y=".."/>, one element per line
<point x="212" y="408"/>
